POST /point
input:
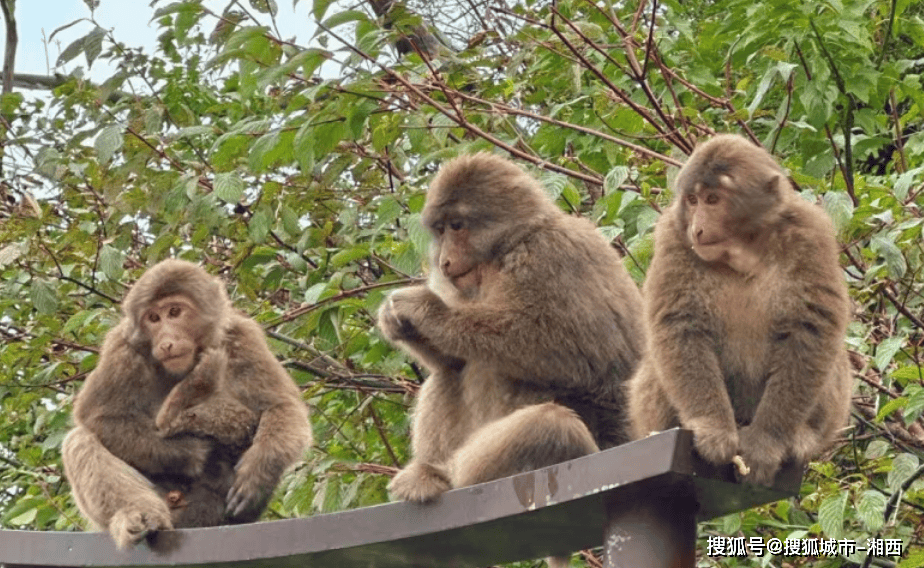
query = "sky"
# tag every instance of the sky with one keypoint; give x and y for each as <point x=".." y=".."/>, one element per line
<point x="130" y="21"/>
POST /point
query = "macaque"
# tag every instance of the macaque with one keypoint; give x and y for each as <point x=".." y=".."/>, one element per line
<point x="188" y="418"/>
<point x="529" y="327"/>
<point x="746" y="309"/>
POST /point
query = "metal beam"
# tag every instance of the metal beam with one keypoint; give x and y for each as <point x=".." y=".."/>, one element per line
<point x="551" y="511"/>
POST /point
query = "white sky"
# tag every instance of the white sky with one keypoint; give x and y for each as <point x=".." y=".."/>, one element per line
<point x="130" y="21"/>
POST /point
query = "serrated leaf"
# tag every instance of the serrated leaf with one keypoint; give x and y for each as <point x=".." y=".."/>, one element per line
<point x="886" y="351"/>
<point x="344" y="17"/>
<point x="320" y="8"/>
<point x="907" y="373"/>
<point x="870" y="508"/>
<point x="259" y="226"/>
<point x="831" y="515"/>
<point x="177" y="7"/>
<point x="903" y="466"/>
<point x="262" y="148"/>
<point x="839" y="207"/>
<point x="614" y="179"/>
<point x="313" y="294"/>
<point x="74" y="49"/>
<point x="418" y="234"/>
<point x="890" y="407"/>
<point x="265" y="6"/>
<point x="346" y="256"/>
<point x="111" y="262"/>
<point x="876" y="449"/>
<point x="229" y="187"/>
<point x="76" y="321"/>
<point x="190" y="131"/>
<point x="107" y="142"/>
<point x="895" y="261"/>
<point x="93" y="45"/>
<point x="915" y="404"/>
<point x="10" y="253"/>
<point x="43" y="297"/>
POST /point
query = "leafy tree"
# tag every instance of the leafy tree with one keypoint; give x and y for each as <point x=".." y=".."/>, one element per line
<point x="297" y="173"/>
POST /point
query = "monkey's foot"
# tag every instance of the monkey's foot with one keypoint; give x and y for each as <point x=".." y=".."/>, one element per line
<point x="129" y="526"/>
<point x="419" y="482"/>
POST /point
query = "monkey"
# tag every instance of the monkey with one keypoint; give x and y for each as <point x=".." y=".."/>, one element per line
<point x="188" y="419"/>
<point x="746" y="311"/>
<point x="529" y="325"/>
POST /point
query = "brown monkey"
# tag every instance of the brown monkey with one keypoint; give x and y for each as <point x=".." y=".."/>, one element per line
<point x="232" y="419"/>
<point x="747" y="309"/>
<point x="529" y="326"/>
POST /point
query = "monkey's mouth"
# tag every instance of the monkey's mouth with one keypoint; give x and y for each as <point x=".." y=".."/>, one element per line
<point x="711" y="243"/>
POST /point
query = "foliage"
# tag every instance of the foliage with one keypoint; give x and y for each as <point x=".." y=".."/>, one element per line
<point x="297" y="173"/>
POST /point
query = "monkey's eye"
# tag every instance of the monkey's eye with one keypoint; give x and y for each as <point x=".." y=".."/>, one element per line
<point x="691" y="199"/>
<point x="175" y="311"/>
<point x="712" y="199"/>
<point x="153" y="317"/>
<point x="438" y="228"/>
<point x="456" y="225"/>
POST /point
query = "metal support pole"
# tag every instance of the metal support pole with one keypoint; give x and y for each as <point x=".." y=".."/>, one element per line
<point x="654" y="532"/>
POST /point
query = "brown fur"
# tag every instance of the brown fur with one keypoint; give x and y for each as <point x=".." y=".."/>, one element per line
<point x="233" y="420"/>
<point x="747" y="310"/>
<point x="530" y="325"/>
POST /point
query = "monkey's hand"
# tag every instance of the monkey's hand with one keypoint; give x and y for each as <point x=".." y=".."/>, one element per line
<point x="253" y="484"/>
<point x="716" y="443"/>
<point x="131" y="524"/>
<point x="763" y="453"/>
<point x="419" y="482"/>
<point x="404" y="309"/>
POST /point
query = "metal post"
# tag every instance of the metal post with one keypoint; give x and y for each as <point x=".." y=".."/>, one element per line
<point x="651" y="531"/>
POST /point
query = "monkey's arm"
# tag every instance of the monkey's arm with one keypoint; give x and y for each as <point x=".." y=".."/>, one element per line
<point x="283" y="431"/>
<point x="118" y="403"/>
<point x="201" y="404"/>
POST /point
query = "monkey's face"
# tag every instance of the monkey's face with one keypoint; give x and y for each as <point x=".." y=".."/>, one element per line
<point x="173" y="325"/>
<point x="707" y="212"/>
<point x="453" y="251"/>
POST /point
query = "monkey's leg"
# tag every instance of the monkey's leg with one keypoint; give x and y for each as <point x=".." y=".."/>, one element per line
<point x="437" y="430"/>
<point x="111" y="493"/>
<point x="531" y="437"/>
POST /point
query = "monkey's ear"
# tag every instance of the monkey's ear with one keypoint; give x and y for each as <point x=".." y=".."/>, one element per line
<point x="776" y="184"/>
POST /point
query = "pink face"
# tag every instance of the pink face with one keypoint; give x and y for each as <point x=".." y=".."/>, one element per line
<point x="171" y="323"/>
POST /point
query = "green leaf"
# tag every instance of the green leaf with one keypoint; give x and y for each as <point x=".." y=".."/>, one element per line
<point x="111" y="262"/>
<point x="903" y="466"/>
<point x="43" y="297"/>
<point x="915" y="404"/>
<point x="418" y="234"/>
<point x="343" y="18"/>
<point x="870" y="509"/>
<point x="229" y="187"/>
<point x="831" y="515"/>
<point x="319" y="8"/>
<point x="886" y="351"/>
<point x="265" y="6"/>
<point x="876" y="449"/>
<point x="839" y="207"/>
<point x="260" y="225"/>
<point x="886" y="248"/>
<point x="93" y="44"/>
<point x="108" y="142"/>
<point x="614" y="179"/>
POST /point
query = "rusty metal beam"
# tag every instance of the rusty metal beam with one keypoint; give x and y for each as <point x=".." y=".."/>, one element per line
<point x="617" y="494"/>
